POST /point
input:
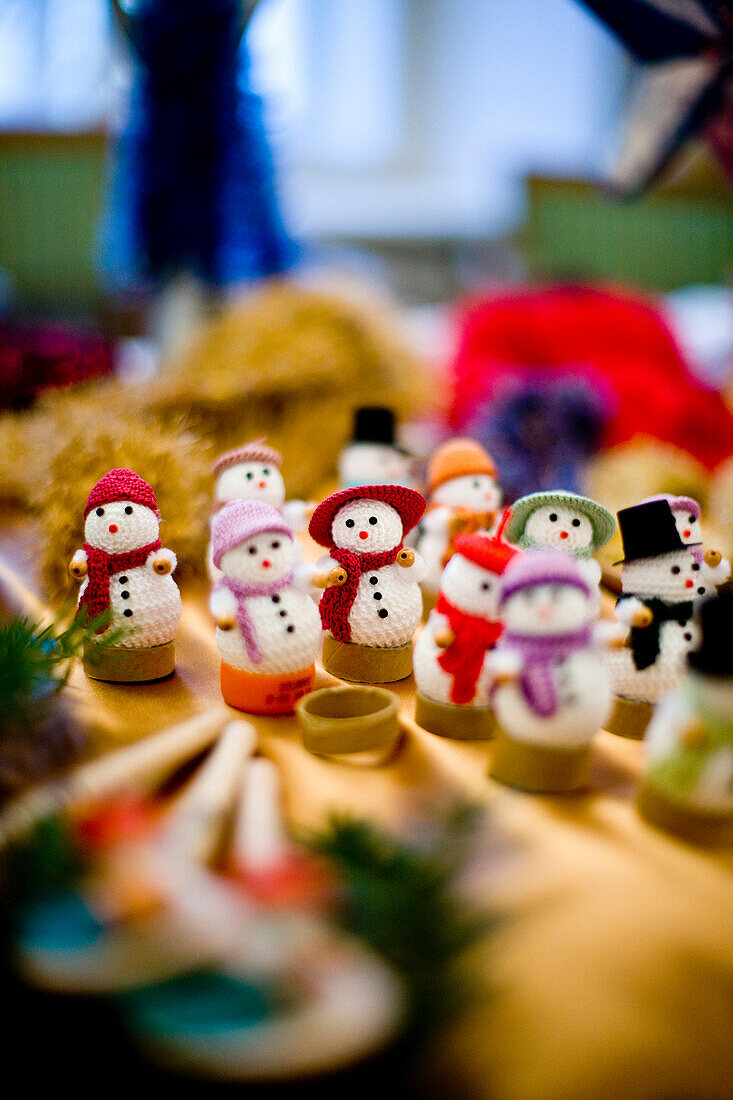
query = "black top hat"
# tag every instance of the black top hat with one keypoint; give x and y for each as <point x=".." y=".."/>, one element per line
<point x="714" y="655"/>
<point x="375" y="424"/>
<point x="647" y="530"/>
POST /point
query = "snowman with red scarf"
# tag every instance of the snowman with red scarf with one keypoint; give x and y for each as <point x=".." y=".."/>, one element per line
<point x="126" y="574"/>
<point x="452" y="670"/>
<point x="372" y="604"/>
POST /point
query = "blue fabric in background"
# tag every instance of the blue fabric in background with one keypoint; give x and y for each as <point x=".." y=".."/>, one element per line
<point x="193" y="184"/>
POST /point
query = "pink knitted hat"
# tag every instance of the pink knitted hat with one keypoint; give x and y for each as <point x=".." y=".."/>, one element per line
<point x="122" y="484"/>
<point x="240" y="520"/>
<point x="254" y="451"/>
<point x="541" y="567"/>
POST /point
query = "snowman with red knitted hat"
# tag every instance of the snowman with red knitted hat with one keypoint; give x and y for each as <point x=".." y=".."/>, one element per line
<point x="372" y="604"/>
<point x="126" y="576"/>
<point x="452" y="672"/>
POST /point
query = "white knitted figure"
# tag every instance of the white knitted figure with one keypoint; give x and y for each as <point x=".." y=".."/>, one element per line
<point x="267" y="624"/>
<point x="252" y="472"/>
<point x="661" y="582"/>
<point x="553" y="690"/>
<point x="688" y="786"/>
<point x="126" y="571"/>
<point x="714" y="568"/>
<point x="372" y="598"/>
<point x="450" y="659"/>
<point x="373" y="456"/>
<point x="464" y="496"/>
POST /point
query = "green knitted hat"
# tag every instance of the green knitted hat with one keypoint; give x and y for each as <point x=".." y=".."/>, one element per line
<point x="602" y="521"/>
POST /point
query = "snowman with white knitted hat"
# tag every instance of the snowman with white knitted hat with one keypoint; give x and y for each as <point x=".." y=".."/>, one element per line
<point x="268" y="627"/>
<point x="372" y="603"/>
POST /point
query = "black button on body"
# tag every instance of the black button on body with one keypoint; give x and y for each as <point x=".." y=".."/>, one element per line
<point x="125" y="595"/>
<point x="123" y="580"/>
<point x="374" y="580"/>
<point x="383" y="613"/>
<point x="282" y="614"/>
<point x="701" y="591"/>
<point x="377" y="595"/>
<point x="687" y="636"/>
<point x="291" y="629"/>
<point x="127" y="612"/>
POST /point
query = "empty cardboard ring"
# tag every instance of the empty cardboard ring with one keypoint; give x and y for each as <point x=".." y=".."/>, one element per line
<point x="348" y="720"/>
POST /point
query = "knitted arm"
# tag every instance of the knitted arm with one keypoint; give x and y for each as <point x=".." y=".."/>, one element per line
<point x="413" y="573"/>
<point x="714" y="575"/>
<point x="627" y="608"/>
<point x="223" y="606"/>
<point x="303" y="577"/>
<point x="436" y="520"/>
<point x="78" y="565"/>
<point x="504" y="664"/>
<point x="608" y="634"/>
<point x="296" y="514"/>
<point x="161" y="561"/>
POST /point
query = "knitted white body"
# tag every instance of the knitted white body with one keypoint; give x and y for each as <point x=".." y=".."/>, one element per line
<point x="387" y="608"/>
<point x="474" y="591"/>
<point x="287" y="626"/>
<point x="145" y="606"/>
<point x="653" y="578"/>
<point x="712" y="790"/>
<point x="255" y="481"/>
<point x="373" y="464"/>
<point x="470" y="493"/>
<point x="580" y="682"/>
<point x="688" y="526"/>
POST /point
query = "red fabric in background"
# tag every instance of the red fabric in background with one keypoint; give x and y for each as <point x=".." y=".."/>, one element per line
<point x="36" y="357"/>
<point x="615" y="340"/>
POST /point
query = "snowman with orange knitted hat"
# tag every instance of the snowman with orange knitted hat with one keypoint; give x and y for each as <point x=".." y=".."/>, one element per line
<point x="464" y="496"/>
<point x="372" y="603"/>
<point x="452" y="673"/>
<point x="125" y="574"/>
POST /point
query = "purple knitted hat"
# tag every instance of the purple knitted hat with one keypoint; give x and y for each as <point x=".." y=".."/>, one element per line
<point x="240" y="520"/>
<point x="541" y="567"/>
<point x="677" y="504"/>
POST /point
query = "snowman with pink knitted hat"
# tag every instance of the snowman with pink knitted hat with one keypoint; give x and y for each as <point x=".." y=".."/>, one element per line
<point x="714" y="568"/>
<point x="268" y="626"/>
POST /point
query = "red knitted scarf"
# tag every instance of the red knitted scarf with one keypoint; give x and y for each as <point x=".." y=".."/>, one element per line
<point x="464" y="657"/>
<point x="101" y="565"/>
<point x="336" y="601"/>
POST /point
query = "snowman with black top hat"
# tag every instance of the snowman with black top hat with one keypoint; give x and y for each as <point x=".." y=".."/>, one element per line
<point x="661" y="583"/>
<point x="688" y="786"/>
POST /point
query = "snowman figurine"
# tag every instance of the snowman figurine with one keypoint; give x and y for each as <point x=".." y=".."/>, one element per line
<point x="252" y="472"/>
<point x="373" y="456"/>
<point x="551" y="693"/>
<point x="372" y="603"/>
<point x="688" y="786"/>
<point x="451" y="673"/>
<point x="268" y="627"/>
<point x="464" y="496"/>
<point x="661" y="582"/>
<point x="125" y="574"/>
<point x="714" y="568"/>
<point x="560" y="520"/>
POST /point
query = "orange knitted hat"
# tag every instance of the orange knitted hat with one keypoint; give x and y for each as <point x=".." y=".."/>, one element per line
<point x="457" y="458"/>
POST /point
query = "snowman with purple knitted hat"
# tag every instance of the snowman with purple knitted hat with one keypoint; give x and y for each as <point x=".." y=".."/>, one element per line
<point x="551" y="691"/>
<point x="268" y="626"/>
<point x="714" y="568"/>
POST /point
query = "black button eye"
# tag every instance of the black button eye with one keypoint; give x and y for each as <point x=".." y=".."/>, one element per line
<point x="275" y="545"/>
<point x="477" y="484"/>
<point x="252" y="549"/>
<point x="250" y="475"/>
<point x="372" y="520"/>
<point x="349" y="523"/>
<point x="266" y="473"/>
<point x="484" y="587"/>
<point x="128" y="510"/>
<point x="675" y="569"/>
<point x="691" y="519"/>
<point x="696" y="568"/>
<point x="100" y="511"/>
<point x="576" y="523"/>
<point x="553" y="517"/>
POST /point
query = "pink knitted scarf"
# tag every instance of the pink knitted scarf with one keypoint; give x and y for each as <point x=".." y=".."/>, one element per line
<point x="241" y="593"/>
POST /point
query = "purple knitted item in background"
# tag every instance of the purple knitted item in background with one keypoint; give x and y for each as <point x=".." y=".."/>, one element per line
<point x="539" y="654"/>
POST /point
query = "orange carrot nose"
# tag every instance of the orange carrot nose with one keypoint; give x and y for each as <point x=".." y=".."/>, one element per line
<point x="263" y="484"/>
<point x="113" y="528"/>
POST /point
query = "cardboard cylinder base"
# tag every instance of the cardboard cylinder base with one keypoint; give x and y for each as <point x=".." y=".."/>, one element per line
<point x="464" y="723"/>
<point x="686" y="822"/>
<point x="539" y="768"/>
<point x="629" y="718"/>
<point x="335" y="721"/>
<point x="366" y="664"/>
<point x="265" y="693"/>
<point x="129" y="666"/>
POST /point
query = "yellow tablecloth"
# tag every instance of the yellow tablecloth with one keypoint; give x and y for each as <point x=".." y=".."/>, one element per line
<point x="613" y="976"/>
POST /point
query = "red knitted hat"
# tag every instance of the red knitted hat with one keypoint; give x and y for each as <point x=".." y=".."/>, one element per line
<point x="122" y="485"/>
<point x="489" y="553"/>
<point x="409" y="503"/>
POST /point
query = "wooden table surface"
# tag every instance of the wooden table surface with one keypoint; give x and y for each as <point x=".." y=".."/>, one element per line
<point x="613" y="974"/>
